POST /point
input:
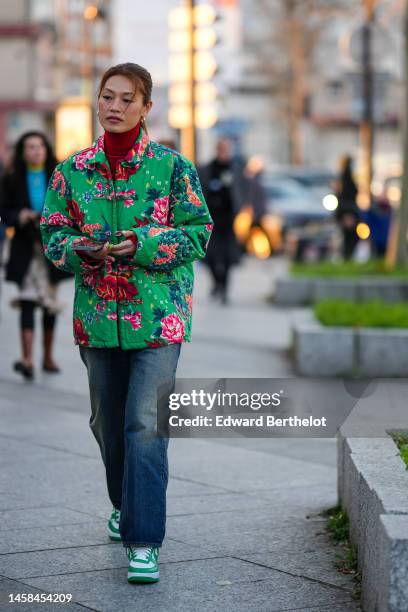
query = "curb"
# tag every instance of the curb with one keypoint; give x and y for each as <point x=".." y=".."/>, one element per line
<point x="303" y="291"/>
<point x="373" y="489"/>
<point x="321" y="350"/>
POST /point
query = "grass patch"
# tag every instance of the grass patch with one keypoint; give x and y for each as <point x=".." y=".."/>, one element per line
<point x="347" y="269"/>
<point x="338" y="528"/>
<point x="375" y="313"/>
<point x="401" y="440"/>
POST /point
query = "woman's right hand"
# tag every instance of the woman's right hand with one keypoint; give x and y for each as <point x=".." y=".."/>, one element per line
<point x="26" y="215"/>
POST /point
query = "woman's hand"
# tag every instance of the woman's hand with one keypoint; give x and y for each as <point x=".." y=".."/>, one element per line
<point x="26" y="215"/>
<point x="127" y="247"/>
<point x="101" y="254"/>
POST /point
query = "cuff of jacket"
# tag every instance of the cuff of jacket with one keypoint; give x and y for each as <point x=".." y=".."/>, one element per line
<point x="73" y="259"/>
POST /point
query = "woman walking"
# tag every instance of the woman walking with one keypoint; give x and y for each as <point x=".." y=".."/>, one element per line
<point x="24" y="187"/>
<point x="347" y="213"/>
<point x="140" y="205"/>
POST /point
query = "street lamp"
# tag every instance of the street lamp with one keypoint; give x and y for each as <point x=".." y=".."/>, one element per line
<point x="191" y="67"/>
<point x="91" y="13"/>
<point x="367" y="124"/>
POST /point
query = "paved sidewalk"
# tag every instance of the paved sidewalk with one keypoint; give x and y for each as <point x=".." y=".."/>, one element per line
<point x="238" y="533"/>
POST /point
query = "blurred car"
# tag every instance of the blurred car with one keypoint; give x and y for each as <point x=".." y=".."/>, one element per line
<point x="293" y="203"/>
<point x="319" y="182"/>
<point x="298" y="218"/>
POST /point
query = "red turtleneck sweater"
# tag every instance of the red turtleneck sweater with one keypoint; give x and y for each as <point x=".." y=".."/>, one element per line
<point x="117" y="146"/>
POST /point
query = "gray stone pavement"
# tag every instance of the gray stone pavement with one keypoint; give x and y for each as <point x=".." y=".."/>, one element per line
<point x="243" y="530"/>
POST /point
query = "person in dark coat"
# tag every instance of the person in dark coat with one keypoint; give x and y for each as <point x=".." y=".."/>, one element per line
<point x="347" y="212"/>
<point x="23" y="191"/>
<point x="224" y="188"/>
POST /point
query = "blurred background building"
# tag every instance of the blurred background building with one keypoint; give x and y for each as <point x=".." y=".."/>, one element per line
<point x="287" y="76"/>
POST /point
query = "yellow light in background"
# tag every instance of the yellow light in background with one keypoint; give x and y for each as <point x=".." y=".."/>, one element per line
<point x="273" y="228"/>
<point x="179" y="116"/>
<point x="376" y="188"/>
<point x="258" y="243"/>
<point x="179" y="18"/>
<point x="179" y="41"/>
<point x="363" y="200"/>
<point x="179" y="93"/>
<point x="242" y="224"/>
<point x="10" y="231"/>
<point x="90" y="12"/>
<point x="205" y="116"/>
<point x="73" y="127"/>
<point x="179" y="68"/>
<point x="205" y="92"/>
<point x="394" y="194"/>
<point x="204" y="38"/>
<point x="204" y="65"/>
<point x="363" y="231"/>
<point x="330" y="202"/>
<point x="255" y="164"/>
<point x="204" y="15"/>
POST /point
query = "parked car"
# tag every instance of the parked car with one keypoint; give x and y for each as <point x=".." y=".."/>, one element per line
<point x="294" y="204"/>
<point x="308" y="228"/>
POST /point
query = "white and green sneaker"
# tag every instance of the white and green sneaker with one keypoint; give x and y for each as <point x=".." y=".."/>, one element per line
<point x="143" y="566"/>
<point x="113" y="526"/>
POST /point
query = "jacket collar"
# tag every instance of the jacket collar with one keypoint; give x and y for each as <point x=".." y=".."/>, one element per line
<point x="96" y="153"/>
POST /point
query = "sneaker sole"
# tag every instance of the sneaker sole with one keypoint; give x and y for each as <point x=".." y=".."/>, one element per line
<point x="135" y="577"/>
<point x="114" y="536"/>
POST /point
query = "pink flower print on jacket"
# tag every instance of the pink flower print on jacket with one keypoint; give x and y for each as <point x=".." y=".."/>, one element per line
<point x="59" y="183"/>
<point x="170" y="253"/>
<point x="172" y="328"/>
<point x="161" y="210"/>
<point x="58" y="218"/>
<point x="129" y="197"/>
<point x="82" y="157"/>
<point x="134" y="318"/>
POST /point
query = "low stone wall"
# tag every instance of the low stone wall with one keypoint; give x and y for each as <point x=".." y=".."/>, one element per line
<point x="292" y="291"/>
<point x="373" y="489"/>
<point x="321" y="350"/>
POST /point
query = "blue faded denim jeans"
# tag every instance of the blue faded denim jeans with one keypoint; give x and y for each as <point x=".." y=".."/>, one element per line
<point x="123" y="388"/>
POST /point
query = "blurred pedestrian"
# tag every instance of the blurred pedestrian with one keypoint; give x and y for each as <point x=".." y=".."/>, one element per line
<point x="24" y="185"/>
<point x="224" y="187"/>
<point x="256" y="192"/>
<point x="127" y="215"/>
<point x="347" y="212"/>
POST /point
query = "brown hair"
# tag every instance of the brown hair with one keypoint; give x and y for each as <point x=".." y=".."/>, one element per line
<point x="139" y="76"/>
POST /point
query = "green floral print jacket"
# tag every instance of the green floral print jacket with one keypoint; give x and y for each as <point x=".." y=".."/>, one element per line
<point x="144" y="300"/>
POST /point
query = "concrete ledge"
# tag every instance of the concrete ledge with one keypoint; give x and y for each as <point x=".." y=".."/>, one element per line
<point x="383" y="352"/>
<point x="393" y="540"/>
<point x="321" y="350"/>
<point x="293" y="291"/>
<point x="373" y="488"/>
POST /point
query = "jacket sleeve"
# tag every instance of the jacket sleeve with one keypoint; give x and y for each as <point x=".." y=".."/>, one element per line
<point x="59" y="227"/>
<point x="9" y="211"/>
<point x="185" y="238"/>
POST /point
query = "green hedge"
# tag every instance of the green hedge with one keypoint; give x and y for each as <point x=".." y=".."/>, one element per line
<point x="401" y="440"/>
<point x="341" y="313"/>
<point x="375" y="267"/>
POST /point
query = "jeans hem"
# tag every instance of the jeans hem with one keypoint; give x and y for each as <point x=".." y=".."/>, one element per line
<point x="140" y="544"/>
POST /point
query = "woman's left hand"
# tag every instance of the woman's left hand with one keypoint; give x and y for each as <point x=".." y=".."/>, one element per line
<point x="127" y="247"/>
